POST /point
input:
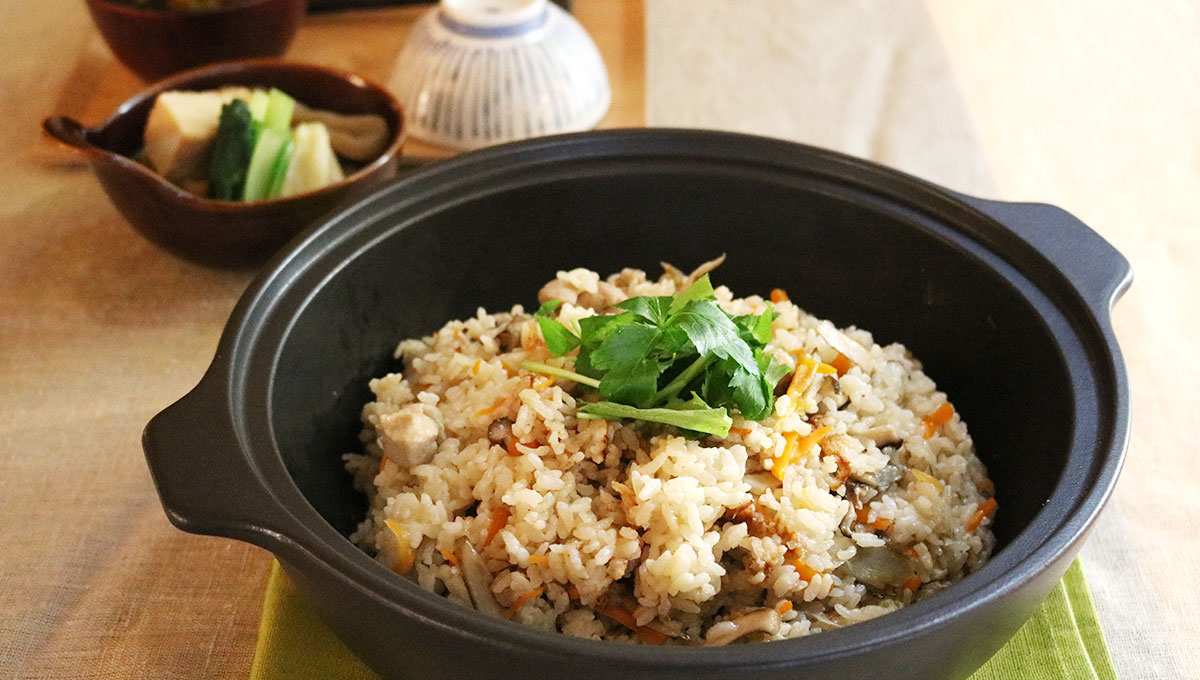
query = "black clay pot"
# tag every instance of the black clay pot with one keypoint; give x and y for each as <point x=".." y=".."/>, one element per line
<point x="1007" y="305"/>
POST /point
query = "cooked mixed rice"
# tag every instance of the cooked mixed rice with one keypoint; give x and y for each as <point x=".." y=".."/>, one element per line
<point x="486" y="488"/>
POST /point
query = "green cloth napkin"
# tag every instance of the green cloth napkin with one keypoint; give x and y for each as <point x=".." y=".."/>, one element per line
<point x="1062" y="641"/>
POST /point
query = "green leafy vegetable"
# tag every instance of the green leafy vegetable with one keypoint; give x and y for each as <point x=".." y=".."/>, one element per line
<point x="271" y="143"/>
<point x="712" y="332"/>
<point x="232" y="147"/>
<point x="657" y="348"/>
<point x="757" y="327"/>
<point x="278" y="112"/>
<point x="700" y="290"/>
<point x="272" y="147"/>
<point x="547" y="369"/>
<point x="279" y="168"/>
<point x="654" y="310"/>
<point x="559" y="340"/>
<point x="259" y="100"/>
<point x="694" y="415"/>
<point x="683" y="379"/>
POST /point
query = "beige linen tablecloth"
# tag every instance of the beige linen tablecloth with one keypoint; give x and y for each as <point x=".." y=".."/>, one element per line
<point x="1092" y="106"/>
<point x="1089" y="105"/>
<point x="98" y="331"/>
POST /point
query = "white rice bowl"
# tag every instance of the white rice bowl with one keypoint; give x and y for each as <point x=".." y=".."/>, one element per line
<point x="628" y="531"/>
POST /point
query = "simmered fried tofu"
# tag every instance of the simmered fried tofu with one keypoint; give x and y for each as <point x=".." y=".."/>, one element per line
<point x="180" y="131"/>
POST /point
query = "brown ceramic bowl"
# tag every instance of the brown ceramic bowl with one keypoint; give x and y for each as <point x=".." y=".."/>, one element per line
<point x="226" y="233"/>
<point x="156" y="43"/>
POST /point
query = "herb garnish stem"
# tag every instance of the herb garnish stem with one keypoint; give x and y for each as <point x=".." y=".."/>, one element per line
<point x="547" y="369"/>
<point x="675" y="386"/>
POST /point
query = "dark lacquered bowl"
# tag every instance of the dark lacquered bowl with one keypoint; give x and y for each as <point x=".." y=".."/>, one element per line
<point x="226" y="233"/>
<point x="155" y="43"/>
<point x="1006" y="304"/>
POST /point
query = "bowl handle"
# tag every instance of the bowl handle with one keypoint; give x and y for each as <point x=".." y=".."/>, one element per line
<point x="1098" y="271"/>
<point x="76" y="137"/>
<point x="205" y="482"/>
<point x="68" y="132"/>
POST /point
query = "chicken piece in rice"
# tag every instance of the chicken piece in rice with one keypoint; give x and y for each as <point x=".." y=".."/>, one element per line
<point x="859" y="494"/>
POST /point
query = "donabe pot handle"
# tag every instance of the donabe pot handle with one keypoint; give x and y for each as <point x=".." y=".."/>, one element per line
<point x="205" y="482"/>
<point x="1098" y="271"/>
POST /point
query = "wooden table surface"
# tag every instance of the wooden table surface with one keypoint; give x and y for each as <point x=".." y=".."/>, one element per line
<point x="1089" y="105"/>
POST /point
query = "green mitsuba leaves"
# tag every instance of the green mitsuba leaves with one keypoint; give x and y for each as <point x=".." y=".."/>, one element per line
<point x="559" y="340"/>
<point x="657" y="348"/>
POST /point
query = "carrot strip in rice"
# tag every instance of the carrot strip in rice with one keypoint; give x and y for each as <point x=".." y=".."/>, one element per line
<point x="493" y="407"/>
<point x="797" y="445"/>
<point x="805" y="369"/>
<point x="842" y="364"/>
<point x="521" y="601"/>
<point x="863" y="515"/>
<point x="654" y="637"/>
<point x="499" y="518"/>
<point x="806" y="572"/>
<point x="792" y="440"/>
<point x="511" y="445"/>
<point x="927" y="478"/>
<point x="795" y="559"/>
<point x="985" y="508"/>
<point x="940" y="416"/>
